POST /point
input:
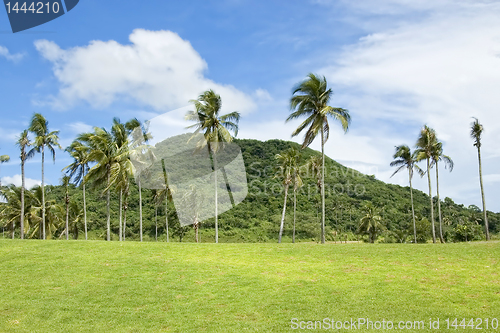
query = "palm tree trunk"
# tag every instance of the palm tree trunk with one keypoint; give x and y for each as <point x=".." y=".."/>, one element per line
<point x="43" y="194"/>
<point x="121" y="207"/>
<point x="432" y="203"/>
<point x="283" y="215"/>
<point x="216" y="201"/>
<point x="22" y="197"/>
<point x="156" y="223"/>
<point x="482" y="194"/>
<point x="140" y="208"/>
<point x="125" y="218"/>
<point x="67" y="214"/>
<point x="166" y="215"/>
<point x="85" y="211"/>
<point x="108" y="224"/>
<point x="322" y="188"/>
<point x="441" y="238"/>
<point x="294" y="213"/>
<point x="195" y="226"/>
<point x="413" y="210"/>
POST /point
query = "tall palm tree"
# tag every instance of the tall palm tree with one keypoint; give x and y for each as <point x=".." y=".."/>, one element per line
<point x="310" y="99"/>
<point x="405" y="159"/>
<point x="436" y="157"/>
<point x="44" y="139"/>
<point x="216" y="130"/>
<point x="287" y="165"/>
<point x="23" y="142"/>
<point x="77" y="171"/>
<point x="141" y="153"/>
<point x="476" y="132"/>
<point x="426" y="145"/>
<point x="371" y="222"/>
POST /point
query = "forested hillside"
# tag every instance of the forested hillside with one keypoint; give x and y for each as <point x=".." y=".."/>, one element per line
<point x="257" y="218"/>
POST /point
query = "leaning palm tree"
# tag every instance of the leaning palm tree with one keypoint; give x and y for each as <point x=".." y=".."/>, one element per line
<point x="426" y="145"/>
<point x="216" y="129"/>
<point x="77" y="171"/>
<point x="371" y="222"/>
<point x="405" y="159"/>
<point x="44" y="139"/>
<point x="310" y="99"/>
<point x="23" y="142"/>
<point x="287" y="165"/>
<point x="436" y="157"/>
<point x="475" y="132"/>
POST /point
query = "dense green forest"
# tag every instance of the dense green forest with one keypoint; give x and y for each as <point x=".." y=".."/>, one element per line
<point x="257" y="218"/>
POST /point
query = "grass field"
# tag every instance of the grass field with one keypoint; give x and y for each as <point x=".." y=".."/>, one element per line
<point x="58" y="286"/>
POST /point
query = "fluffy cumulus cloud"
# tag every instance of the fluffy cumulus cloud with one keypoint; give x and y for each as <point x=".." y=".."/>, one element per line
<point x="440" y="66"/>
<point x="17" y="180"/>
<point x="157" y="69"/>
<point x="4" y="52"/>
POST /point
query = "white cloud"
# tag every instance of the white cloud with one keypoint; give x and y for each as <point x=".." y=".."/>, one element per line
<point x="439" y="68"/>
<point x="17" y="180"/>
<point x="158" y="69"/>
<point x="79" y="127"/>
<point x="4" y="52"/>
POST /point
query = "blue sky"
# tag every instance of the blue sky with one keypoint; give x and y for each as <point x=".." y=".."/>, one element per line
<point x="395" y="64"/>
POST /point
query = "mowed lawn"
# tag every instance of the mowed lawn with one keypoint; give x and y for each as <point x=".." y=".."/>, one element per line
<point x="95" y="286"/>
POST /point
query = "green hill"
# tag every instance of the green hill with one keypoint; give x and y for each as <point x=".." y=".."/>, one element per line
<point x="257" y="218"/>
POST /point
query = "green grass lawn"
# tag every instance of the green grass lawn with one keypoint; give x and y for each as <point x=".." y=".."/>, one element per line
<point x="58" y="286"/>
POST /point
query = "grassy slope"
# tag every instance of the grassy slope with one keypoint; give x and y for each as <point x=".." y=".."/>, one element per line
<point x="150" y="287"/>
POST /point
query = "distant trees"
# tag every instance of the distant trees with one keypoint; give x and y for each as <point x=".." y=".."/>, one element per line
<point x="371" y="222"/>
<point x="310" y="100"/>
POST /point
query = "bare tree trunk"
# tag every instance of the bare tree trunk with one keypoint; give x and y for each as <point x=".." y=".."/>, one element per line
<point x="432" y="203"/>
<point x="43" y="193"/>
<point x="22" y="195"/>
<point x="413" y="210"/>
<point x="216" y="201"/>
<point x="283" y="215"/>
<point x="441" y="238"/>
<point x="166" y="215"/>
<point x="67" y="214"/>
<point x="140" y="208"/>
<point x="294" y="213"/>
<point x="482" y="194"/>
<point x="108" y="224"/>
<point x="85" y="212"/>
<point x="322" y="188"/>
<point x="121" y="207"/>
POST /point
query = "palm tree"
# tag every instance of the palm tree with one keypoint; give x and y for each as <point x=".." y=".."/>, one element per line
<point x="53" y="214"/>
<point x="287" y="165"/>
<point x="78" y="169"/>
<point x="475" y="132"/>
<point x="141" y="153"/>
<point x="3" y="159"/>
<point x="164" y="195"/>
<point x="216" y="129"/>
<point x="23" y="142"/>
<point x="310" y="99"/>
<point x="405" y="159"/>
<point x="426" y="145"/>
<point x="194" y="204"/>
<point x="44" y="139"/>
<point x="371" y="222"/>
<point x="436" y="157"/>
<point x="14" y="210"/>
<point x="103" y="151"/>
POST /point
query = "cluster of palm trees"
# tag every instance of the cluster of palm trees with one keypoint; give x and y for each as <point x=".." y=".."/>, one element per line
<point x="429" y="149"/>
